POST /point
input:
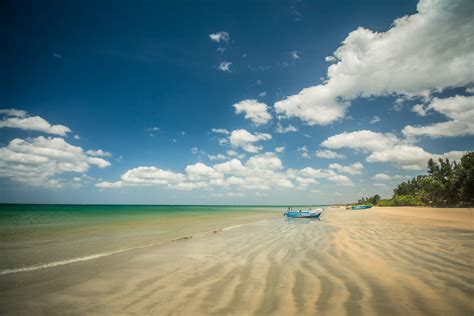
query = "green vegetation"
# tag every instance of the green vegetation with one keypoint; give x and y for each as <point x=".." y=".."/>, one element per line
<point x="373" y="200"/>
<point x="402" y="200"/>
<point x="446" y="184"/>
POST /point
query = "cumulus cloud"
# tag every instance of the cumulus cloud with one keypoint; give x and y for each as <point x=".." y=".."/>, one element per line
<point x="14" y="118"/>
<point x="282" y="130"/>
<point x="255" y="111"/>
<point x="241" y="138"/>
<point x="224" y="66"/>
<point x="13" y="112"/>
<point x="216" y="157"/>
<point x="260" y="172"/>
<point x="280" y="149"/>
<point x="328" y="154"/>
<point x="421" y="53"/>
<point x="265" y="161"/>
<point x="386" y="148"/>
<point x="364" y="139"/>
<point x="219" y="37"/>
<point x="409" y="157"/>
<point x="37" y="161"/>
<point x="327" y="174"/>
<point x="355" y="168"/>
<point x="233" y="153"/>
<point x="458" y="109"/>
<point x="382" y="176"/>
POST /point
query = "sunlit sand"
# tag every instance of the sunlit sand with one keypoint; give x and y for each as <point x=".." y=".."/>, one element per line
<point x="383" y="261"/>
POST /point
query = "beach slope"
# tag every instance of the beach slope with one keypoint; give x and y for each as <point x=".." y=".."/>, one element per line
<point x="382" y="261"/>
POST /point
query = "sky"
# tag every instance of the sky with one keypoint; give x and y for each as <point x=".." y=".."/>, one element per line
<point x="230" y="102"/>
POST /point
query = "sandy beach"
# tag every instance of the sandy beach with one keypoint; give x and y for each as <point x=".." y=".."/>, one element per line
<point x="382" y="261"/>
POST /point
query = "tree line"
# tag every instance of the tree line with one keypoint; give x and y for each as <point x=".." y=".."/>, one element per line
<point x="448" y="183"/>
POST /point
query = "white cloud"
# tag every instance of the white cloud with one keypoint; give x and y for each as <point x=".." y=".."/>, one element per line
<point x="460" y="111"/>
<point x="220" y="131"/>
<point x="382" y="176"/>
<point x="265" y="161"/>
<point x="375" y="119"/>
<point x="13" y="112"/>
<point x="233" y="166"/>
<point x="295" y="55"/>
<point x="191" y="185"/>
<point x="363" y="139"/>
<point x="233" y="153"/>
<point x="260" y="172"/>
<point x="219" y="36"/>
<point x="281" y="130"/>
<point x="200" y="171"/>
<point x="99" y="152"/>
<point x="243" y="139"/>
<point x="151" y="176"/>
<point x="37" y="161"/>
<point x="355" y="168"/>
<point x="255" y="111"/>
<point x="420" y="109"/>
<point x="330" y="59"/>
<point x="341" y="179"/>
<point x="327" y="174"/>
<point x="304" y="152"/>
<point x="408" y="157"/>
<point x="329" y="154"/>
<point x="216" y="157"/>
<point x="197" y="151"/>
<point x="262" y="94"/>
<point x="386" y="148"/>
<point x="14" y="118"/>
<point x="145" y="176"/>
<point x="428" y="51"/>
<point x="280" y="149"/>
<point x="224" y="66"/>
<point x="77" y="137"/>
<point x="304" y="182"/>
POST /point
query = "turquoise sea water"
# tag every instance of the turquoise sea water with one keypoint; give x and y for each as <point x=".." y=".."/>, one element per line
<point x="34" y="236"/>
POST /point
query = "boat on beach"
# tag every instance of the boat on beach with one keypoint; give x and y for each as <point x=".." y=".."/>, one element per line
<point x="361" y="207"/>
<point x="304" y="213"/>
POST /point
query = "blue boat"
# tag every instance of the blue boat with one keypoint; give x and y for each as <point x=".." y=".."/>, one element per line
<point x="304" y="213"/>
<point x="361" y="207"/>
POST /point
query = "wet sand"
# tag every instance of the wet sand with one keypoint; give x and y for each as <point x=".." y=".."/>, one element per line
<point x="383" y="261"/>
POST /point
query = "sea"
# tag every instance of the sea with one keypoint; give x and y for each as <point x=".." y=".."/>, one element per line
<point x="34" y="237"/>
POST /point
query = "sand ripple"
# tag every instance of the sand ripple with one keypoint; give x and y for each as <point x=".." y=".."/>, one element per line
<point x="349" y="263"/>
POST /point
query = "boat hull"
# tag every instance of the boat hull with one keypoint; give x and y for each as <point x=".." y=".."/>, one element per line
<point x="361" y="207"/>
<point x="302" y="214"/>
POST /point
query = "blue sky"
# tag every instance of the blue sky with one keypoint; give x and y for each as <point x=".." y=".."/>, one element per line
<point x="286" y="102"/>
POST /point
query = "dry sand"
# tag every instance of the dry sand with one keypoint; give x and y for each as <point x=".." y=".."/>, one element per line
<point x="383" y="261"/>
